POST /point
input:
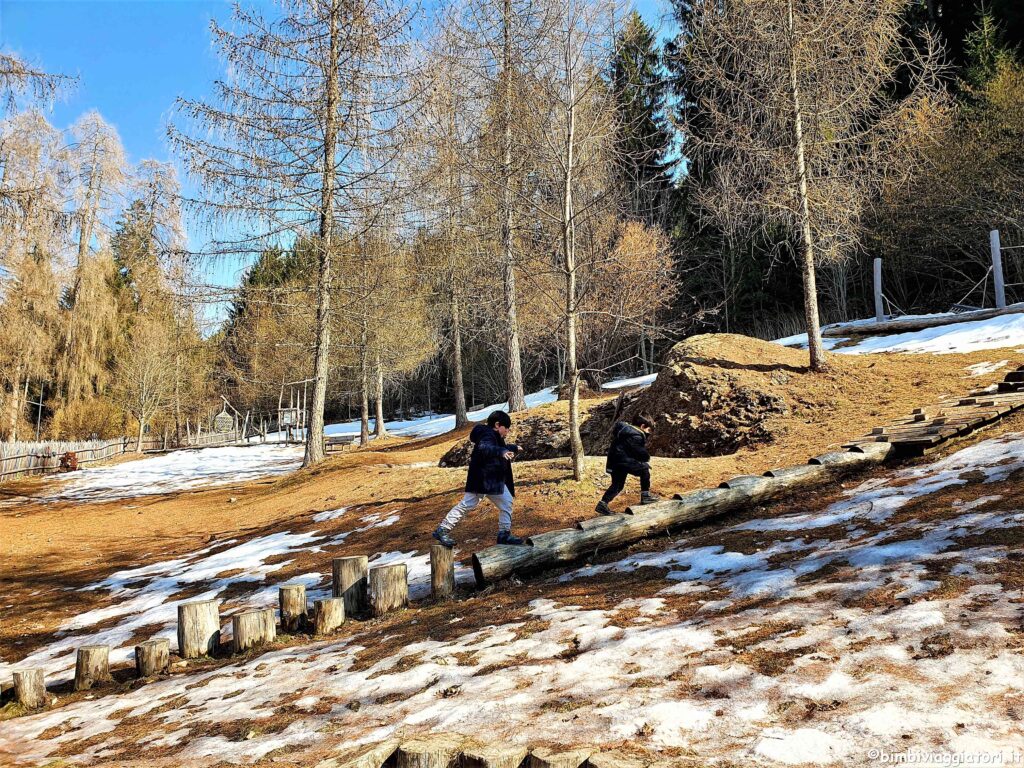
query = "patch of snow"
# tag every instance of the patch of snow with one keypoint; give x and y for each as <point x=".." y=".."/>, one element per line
<point x="982" y="369"/>
<point x="637" y="381"/>
<point x="801" y="746"/>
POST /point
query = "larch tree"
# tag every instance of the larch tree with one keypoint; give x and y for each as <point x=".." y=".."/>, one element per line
<point x="803" y="111"/>
<point x="279" y="149"/>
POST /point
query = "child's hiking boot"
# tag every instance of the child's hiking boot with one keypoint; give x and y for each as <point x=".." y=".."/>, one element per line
<point x="602" y="508"/>
<point x="506" y="537"/>
<point x="646" y="497"/>
<point x="444" y="537"/>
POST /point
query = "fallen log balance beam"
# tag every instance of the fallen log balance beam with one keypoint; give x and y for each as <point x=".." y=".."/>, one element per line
<point x="906" y="325"/>
<point x="548" y="549"/>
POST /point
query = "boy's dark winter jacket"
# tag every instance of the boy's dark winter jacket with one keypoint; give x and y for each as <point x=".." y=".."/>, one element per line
<point x="489" y="471"/>
<point x="628" y="452"/>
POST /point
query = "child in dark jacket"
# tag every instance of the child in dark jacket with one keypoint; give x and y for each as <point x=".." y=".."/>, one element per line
<point x="490" y="476"/>
<point x="628" y="456"/>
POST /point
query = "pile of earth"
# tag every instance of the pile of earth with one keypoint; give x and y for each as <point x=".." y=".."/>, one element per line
<point x="715" y="394"/>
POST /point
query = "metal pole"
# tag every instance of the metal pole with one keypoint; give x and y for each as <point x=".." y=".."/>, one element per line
<point x="997" y="268"/>
<point x="879" y="309"/>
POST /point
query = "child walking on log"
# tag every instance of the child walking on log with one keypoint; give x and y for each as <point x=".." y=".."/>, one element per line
<point x="628" y="456"/>
<point x="490" y="475"/>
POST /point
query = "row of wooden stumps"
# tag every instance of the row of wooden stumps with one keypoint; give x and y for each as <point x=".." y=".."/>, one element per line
<point x="445" y="750"/>
<point x="357" y="588"/>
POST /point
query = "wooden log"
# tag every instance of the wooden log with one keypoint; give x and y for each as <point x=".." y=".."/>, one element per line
<point x="92" y="666"/>
<point x="350" y="582"/>
<point x="598" y="522"/>
<point x="442" y="571"/>
<point x="433" y="751"/>
<point x="544" y="757"/>
<point x="493" y="756"/>
<point x="554" y="547"/>
<point x="916" y="324"/>
<point x="389" y="589"/>
<point x="248" y="630"/>
<point x="198" y="628"/>
<point x="29" y="688"/>
<point x="292" y="600"/>
<point x="152" y="657"/>
<point x="373" y="756"/>
<point x="329" y="614"/>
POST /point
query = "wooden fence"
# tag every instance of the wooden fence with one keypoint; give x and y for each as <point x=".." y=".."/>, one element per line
<point x="39" y="458"/>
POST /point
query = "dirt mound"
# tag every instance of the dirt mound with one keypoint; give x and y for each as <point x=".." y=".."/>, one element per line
<point x="720" y="392"/>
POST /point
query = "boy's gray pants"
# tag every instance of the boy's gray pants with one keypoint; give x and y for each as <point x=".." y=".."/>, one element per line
<point x="469" y="502"/>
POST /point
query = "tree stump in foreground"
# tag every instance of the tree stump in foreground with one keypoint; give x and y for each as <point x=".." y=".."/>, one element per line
<point x="389" y="588"/>
<point x="328" y="615"/>
<point x="29" y="689"/>
<point x="292" y="598"/>
<point x="373" y="756"/>
<point x="550" y="758"/>
<point x="434" y="751"/>
<point x="152" y="657"/>
<point x="442" y="571"/>
<point x="92" y="666"/>
<point x="198" y="628"/>
<point x="269" y="624"/>
<point x="350" y="583"/>
<point x="493" y="756"/>
<point x="248" y="630"/>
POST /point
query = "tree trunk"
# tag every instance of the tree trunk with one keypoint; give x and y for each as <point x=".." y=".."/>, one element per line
<point x="142" y="429"/>
<point x="15" y="409"/>
<point x="458" y="386"/>
<point x="380" y="429"/>
<point x="514" y="369"/>
<point x="315" y="432"/>
<point x="569" y="253"/>
<point x="364" y="388"/>
<point x="814" y="345"/>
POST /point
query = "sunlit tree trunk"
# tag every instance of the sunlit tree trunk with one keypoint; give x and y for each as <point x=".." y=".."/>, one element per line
<point x="380" y="430"/>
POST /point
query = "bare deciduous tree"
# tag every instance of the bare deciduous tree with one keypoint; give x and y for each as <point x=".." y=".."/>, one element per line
<point x="798" y="127"/>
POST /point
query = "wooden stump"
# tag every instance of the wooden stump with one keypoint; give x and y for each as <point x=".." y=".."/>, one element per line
<point x="328" y="615"/>
<point x="198" y="628"/>
<point x="613" y="760"/>
<point x="152" y="657"/>
<point x="249" y="630"/>
<point x="434" y="751"/>
<point x="374" y="756"/>
<point x="389" y="588"/>
<point x="350" y="583"/>
<point x="92" y="666"/>
<point x="493" y="756"/>
<point x="549" y="758"/>
<point x="292" y="598"/>
<point x="29" y="689"/>
<point x="442" y="571"/>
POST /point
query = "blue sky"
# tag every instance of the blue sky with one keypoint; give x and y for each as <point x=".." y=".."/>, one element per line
<point x="134" y="57"/>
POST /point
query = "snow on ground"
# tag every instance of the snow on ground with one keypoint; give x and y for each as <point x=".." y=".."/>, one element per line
<point x="969" y="336"/>
<point x="175" y="471"/>
<point x="816" y="638"/>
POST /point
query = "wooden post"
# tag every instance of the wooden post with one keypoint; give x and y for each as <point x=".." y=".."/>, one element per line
<point x="350" y="583"/>
<point x="493" y="756"/>
<point x="389" y="588"/>
<point x="152" y="657"/>
<point x="248" y="630"/>
<point x="442" y="571"/>
<point x="549" y="758"/>
<point x="92" y="666"/>
<point x="29" y="689"/>
<point x="198" y="628"/>
<point x="292" y="599"/>
<point x="879" y="308"/>
<point x="269" y="624"/>
<point x="328" y="615"/>
<point x="997" y="268"/>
